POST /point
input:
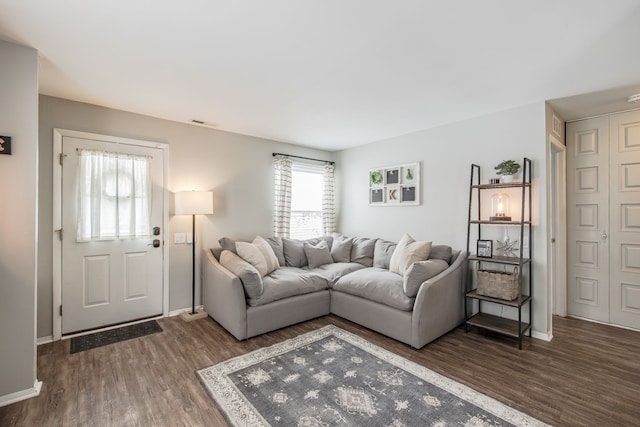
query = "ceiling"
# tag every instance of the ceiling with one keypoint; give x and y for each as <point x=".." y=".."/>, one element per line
<point x="330" y="74"/>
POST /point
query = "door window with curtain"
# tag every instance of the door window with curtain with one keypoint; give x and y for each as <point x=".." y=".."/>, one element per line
<point x="308" y="190"/>
<point x="114" y="196"/>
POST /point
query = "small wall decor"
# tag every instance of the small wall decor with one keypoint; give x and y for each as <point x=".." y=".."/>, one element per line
<point x="485" y="248"/>
<point x="395" y="185"/>
<point x="5" y="144"/>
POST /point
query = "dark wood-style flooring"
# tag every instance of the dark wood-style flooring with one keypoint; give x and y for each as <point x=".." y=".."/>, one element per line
<point x="588" y="375"/>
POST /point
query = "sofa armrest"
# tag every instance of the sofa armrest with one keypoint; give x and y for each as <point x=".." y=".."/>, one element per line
<point x="223" y="296"/>
<point x="439" y="305"/>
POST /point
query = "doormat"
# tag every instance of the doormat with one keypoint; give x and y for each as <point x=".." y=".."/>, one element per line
<point x="112" y="336"/>
<point x="331" y="377"/>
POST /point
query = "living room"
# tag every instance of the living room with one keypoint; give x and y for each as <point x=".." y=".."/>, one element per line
<point x="238" y="170"/>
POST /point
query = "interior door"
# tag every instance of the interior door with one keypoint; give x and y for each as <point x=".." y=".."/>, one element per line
<point x="588" y="219"/>
<point x="107" y="282"/>
<point x="625" y="219"/>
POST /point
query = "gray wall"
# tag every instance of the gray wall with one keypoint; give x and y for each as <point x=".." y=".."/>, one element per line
<point x="237" y="168"/>
<point x="18" y="210"/>
<point x="446" y="154"/>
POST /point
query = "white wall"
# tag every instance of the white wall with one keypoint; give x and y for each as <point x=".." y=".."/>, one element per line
<point x="18" y="226"/>
<point x="237" y="168"/>
<point x="446" y="154"/>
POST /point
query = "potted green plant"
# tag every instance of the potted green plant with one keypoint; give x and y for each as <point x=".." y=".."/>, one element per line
<point x="507" y="168"/>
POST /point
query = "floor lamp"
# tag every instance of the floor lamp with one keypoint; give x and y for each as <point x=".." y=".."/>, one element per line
<point x="193" y="203"/>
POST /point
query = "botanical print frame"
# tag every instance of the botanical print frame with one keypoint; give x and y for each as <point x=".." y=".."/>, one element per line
<point x="484" y="248"/>
<point x="397" y="185"/>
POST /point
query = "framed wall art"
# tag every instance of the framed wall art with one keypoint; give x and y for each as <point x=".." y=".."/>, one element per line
<point x="397" y="185"/>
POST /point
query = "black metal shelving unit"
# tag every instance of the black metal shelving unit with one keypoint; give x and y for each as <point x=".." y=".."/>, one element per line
<point x="514" y="328"/>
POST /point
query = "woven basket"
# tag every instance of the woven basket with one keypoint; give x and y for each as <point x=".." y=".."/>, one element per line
<point x="498" y="284"/>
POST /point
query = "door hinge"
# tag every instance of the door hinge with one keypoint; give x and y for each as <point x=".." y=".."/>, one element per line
<point x="60" y="232"/>
<point x="61" y="157"/>
<point x="60" y="310"/>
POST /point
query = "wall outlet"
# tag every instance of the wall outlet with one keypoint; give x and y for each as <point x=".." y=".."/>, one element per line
<point x="179" y="238"/>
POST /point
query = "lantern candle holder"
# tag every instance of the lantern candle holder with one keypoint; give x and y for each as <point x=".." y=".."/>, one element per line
<point x="500" y="208"/>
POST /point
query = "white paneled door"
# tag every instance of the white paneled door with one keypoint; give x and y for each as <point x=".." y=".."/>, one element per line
<point x="603" y="200"/>
<point x="113" y="279"/>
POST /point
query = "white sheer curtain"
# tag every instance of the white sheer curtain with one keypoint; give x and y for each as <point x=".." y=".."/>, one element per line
<point x="282" y="196"/>
<point x="114" y="196"/>
<point x="328" y="200"/>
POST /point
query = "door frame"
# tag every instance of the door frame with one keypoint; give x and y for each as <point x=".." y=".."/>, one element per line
<point x="58" y="135"/>
<point x="557" y="205"/>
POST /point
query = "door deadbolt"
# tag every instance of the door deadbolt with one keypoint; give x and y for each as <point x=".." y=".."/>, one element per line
<point x="156" y="231"/>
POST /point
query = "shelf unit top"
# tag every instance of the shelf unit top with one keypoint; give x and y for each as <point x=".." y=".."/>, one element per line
<point x="503" y="185"/>
<point x="487" y="222"/>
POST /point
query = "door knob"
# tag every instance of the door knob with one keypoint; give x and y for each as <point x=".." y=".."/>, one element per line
<point x="155" y="244"/>
<point x="604" y="235"/>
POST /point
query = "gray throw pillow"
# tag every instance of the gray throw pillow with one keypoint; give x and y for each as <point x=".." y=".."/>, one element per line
<point x="419" y="272"/>
<point x="341" y="248"/>
<point x="317" y="255"/>
<point x="442" y="252"/>
<point x="294" y="252"/>
<point x="278" y="249"/>
<point x="382" y="252"/>
<point x="362" y="251"/>
<point x="249" y="276"/>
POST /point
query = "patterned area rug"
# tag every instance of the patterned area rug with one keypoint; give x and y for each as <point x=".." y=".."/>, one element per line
<point x="87" y="342"/>
<point x="331" y="377"/>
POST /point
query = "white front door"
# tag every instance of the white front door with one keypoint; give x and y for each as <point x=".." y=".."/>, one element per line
<point x="105" y="282"/>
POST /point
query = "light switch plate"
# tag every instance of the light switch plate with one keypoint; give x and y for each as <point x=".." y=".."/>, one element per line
<point x="189" y="238"/>
<point x="179" y="238"/>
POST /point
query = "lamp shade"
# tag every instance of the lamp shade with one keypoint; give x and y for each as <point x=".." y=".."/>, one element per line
<point x="193" y="203"/>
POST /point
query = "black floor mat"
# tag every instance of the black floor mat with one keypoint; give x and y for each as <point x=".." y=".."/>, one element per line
<point x="112" y="336"/>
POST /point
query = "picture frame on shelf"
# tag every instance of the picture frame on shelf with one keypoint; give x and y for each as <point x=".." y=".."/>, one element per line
<point x="484" y="248"/>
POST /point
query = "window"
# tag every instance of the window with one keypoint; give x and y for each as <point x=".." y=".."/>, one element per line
<point x="114" y="196"/>
<point x="306" y="201"/>
<point x="303" y="199"/>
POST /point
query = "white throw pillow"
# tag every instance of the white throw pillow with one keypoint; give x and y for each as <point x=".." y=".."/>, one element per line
<point x="259" y="254"/>
<point x="268" y="252"/>
<point x="406" y="253"/>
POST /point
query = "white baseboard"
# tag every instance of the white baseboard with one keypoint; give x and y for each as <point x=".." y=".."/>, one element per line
<point x="182" y="310"/>
<point x="44" y="340"/>
<point x="21" y="395"/>
<point x="548" y="336"/>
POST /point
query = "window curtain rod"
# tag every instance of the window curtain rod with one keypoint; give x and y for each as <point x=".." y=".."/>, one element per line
<point x="305" y="158"/>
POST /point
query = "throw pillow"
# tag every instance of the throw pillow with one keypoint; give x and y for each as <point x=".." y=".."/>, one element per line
<point x="249" y="276"/>
<point x="294" y="252"/>
<point x="442" y="252"/>
<point x="382" y="252"/>
<point x="341" y="248"/>
<point x="267" y="252"/>
<point x="318" y="255"/>
<point x="406" y="253"/>
<point x="278" y="249"/>
<point x="254" y="254"/>
<point x="419" y="272"/>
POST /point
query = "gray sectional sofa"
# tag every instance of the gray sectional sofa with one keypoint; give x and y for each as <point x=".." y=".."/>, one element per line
<point x="354" y="282"/>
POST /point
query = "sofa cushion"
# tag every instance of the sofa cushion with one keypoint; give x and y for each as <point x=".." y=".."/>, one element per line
<point x="341" y="248"/>
<point x="382" y="252"/>
<point x="376" y="284"/>
<point x="317" y="255"/>
<point x="362" y="251"/>
<point x="406" y="253"/>
<point x="278" y="249"/>
<point x="333" y="272"/>
<point x="286" y="282"/>
<point x="420" y="271"/>
<point x="442" y="252"/>
<point x="249" y="276"/>
<point x="259" y="254"/>
<point x="228" y="244"/>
